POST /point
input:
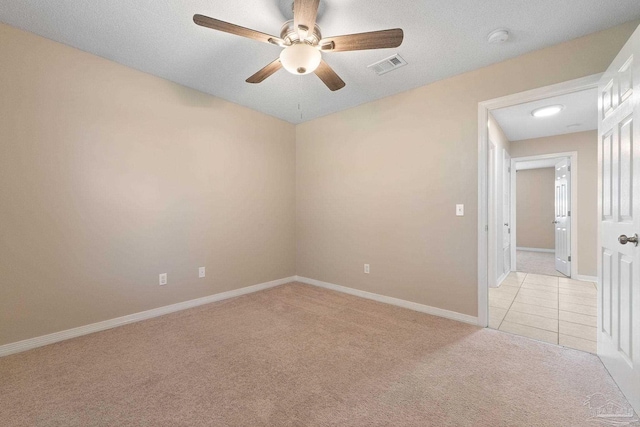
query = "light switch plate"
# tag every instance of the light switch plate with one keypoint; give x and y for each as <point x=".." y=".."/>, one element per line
<point x="459" y="210"/>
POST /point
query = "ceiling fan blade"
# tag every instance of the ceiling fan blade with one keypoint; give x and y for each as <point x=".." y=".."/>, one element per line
<point x="305" y="13"/>
<point x="216" y="24"/>
<point x="265" y="72"/>
<point x="362" y="41"/>
<point x="329" y="77"/>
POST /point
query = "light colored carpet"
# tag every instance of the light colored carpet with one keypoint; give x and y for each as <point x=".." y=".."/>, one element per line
<point x="537" y="262"/>
<point x="298" y="355"/>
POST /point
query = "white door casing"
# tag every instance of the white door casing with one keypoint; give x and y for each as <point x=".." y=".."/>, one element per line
<point x="619" y="214"/>
<point x="562" y="216"/>
<point x="493" y="272"/>
<point x="499" y="212"/>
<point x="506" y="215"/>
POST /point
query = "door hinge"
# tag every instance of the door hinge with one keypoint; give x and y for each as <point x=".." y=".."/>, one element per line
<point x="569" y="258"/>
<point x="509" y="230"/>
<point x="569" y="168"/>
<point x="568" y="213"/>
<point x="486" y="228"/>
<point x="509" y="169"/>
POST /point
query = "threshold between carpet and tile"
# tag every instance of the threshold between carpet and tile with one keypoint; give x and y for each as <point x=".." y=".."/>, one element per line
<point x="301" y="355"/>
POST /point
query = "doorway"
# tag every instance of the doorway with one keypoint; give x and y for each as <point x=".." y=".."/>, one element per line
<point x="538" y="284"/>
<point x="617" y="213"/>
<point x="546" y="210"/>
<point x="488" y="184"/>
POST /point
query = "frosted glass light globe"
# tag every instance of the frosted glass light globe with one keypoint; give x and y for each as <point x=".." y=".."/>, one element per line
<point x="300" y="58"/>
<point x="547" y="111"/>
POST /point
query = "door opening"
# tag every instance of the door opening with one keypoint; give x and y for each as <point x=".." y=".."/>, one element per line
<point x="617" y="217"/>
<point x="545" y="210"/>
<point x="522" y="297"/>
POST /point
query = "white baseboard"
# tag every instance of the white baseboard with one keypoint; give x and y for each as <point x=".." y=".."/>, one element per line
<point x="551" y="251"/>
<point x="40" y="341"/>
<point x="393" y="301"/>
<point x="501" y="279"/>
<point x="587" y="278"/>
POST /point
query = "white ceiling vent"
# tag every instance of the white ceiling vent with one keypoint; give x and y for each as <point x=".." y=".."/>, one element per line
<point x="388" y="64"/>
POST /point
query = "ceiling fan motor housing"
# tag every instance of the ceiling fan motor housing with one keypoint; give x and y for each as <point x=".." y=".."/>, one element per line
<point x="289" y="33"/>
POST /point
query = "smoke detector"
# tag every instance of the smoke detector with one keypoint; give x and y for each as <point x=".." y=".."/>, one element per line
<point x="498" y="36"/>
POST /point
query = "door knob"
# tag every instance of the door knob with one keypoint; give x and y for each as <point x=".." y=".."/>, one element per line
<point x="554" y="222"/>
<point x="506" y="224"/>
<point x="623" y="239"/>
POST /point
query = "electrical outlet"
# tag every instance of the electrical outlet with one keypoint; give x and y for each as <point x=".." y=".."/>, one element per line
<point x="201" y="272"/>
<point x="366" y="268"/>
<point x="459" y="210"/>
<point x="163" y="279"/>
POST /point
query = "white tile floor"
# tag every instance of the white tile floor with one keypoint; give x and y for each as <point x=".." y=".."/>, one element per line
<point x="552" y="309"/>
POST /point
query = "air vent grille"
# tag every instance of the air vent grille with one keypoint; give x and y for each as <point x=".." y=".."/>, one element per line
<point x="388" y="64"/>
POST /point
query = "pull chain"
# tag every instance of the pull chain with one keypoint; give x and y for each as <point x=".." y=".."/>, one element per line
<point x="300" y="95"/>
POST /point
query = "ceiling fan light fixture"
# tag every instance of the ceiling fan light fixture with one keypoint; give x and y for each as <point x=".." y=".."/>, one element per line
<point x="300" y="58"/>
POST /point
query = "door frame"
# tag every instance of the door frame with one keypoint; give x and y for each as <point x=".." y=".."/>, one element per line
<point x="573" y="157"/>
<point x="493" y="235"/>
<point x="484" y="108"/>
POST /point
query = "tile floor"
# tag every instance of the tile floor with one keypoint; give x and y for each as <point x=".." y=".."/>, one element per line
<point x="552" y="309"/>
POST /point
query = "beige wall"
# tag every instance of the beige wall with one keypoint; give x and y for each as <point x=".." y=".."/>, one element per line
<point x="111" y="176"/>
<point x="535" y="208"/>
<point x="378" y="183"/>
<point x="586" y="144"/>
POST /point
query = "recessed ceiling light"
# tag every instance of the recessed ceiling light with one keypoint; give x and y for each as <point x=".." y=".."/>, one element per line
<point x="547" y="111"/>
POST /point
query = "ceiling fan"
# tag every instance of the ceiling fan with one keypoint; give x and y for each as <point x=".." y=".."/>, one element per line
<point x="303" y="43"/>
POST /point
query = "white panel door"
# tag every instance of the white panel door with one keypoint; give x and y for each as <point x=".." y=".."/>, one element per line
<point x="619" y="219"/>
<point x="562" y="217"/>
<point x="506" y="213"/>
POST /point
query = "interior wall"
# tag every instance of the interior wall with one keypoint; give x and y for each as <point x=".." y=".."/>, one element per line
<point x="535" y="208"/>
<point x="111" y="176"/>
<point x="586" y="144"/>
<point x="378" y="183"/>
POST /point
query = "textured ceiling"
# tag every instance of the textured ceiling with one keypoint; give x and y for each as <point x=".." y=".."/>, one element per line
<point x="442" y="38"/>
<point x="580" y="114"/>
